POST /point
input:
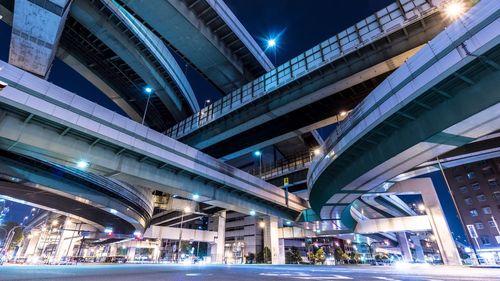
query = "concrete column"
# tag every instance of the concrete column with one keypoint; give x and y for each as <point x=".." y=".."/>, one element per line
<point x="435" y="214"/>
<point x="30" y="249"/>
<point x="113" y="248"/>
<point x="419" y="250"/>
<point x="219" y="225"/>
<point x="405" y="247"/>
<point x="131" y="253"/>
<point x="272" y="241"/>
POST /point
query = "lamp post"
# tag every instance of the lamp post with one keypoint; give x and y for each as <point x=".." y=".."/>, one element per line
<point x="149" y="92"/>
<point x="271" y="44"/>
<point x="259" y="154"/>
<point x="186" y="210"/>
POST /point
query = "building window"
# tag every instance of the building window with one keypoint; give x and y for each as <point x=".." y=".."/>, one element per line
<point x="468" y="201"/>
<point x="479" y="225"/>
<point x="463" y="189"/>
<point x="475" y="186"/>
<point x="493" y="183"/>
<point x="473" y="213"/>
<point x="485" y="240"/>
<point x="491" y="223"/>
<point x="481" y="198"/>
<point x="471" y="175"/>
<point x="496" y="195"/>
<point x="459" y="179"/>
<point x="487" y="210"/>
<point x="487" y="171"/>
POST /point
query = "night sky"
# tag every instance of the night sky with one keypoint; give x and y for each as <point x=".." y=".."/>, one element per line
<point x="297" y="24"/>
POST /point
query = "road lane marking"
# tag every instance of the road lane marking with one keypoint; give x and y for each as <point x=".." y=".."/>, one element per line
<point x="332" y="277"/>
<point x="387" y="279"/>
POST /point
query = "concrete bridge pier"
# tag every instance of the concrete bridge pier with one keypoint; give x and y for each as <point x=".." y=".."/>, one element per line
<point x="218" y="223"/>
<point x="272" y="240"/>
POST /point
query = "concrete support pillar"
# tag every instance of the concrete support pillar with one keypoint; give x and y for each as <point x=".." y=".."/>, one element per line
<point x="66" y="243"/>
<point x="30" y="249"/>
<point x="113" y="248"/>
<point x="437" y="219"/>
<point x="219" y="225"/>
<point x="131" y="253"/>
<point x="272" y="241"/>
<point x="405" y="247"/>
<point x="419" y="250"/>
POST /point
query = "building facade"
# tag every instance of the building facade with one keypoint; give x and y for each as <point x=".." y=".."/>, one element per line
<point x="476" y="190"/>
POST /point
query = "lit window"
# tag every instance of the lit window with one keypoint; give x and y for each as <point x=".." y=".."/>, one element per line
<point x="479" y="225"/>
<point x="491" y="223"/>
<point x="468" y="201"/>
<point x="463" y="189"/>
<point x="471" y="175"/>
<point x="496" y="194"/>
<point x="473" y="213"/>
<point x="487" y="210"/>
<point x="493" y="183"/>
<point x="485" y="240"/>
<point x="475" y="186"/>
<point x="481" y="198"/>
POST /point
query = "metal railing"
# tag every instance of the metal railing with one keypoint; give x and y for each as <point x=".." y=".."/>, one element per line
<point x="386" y="21"/>
<point x="279" y="168"/>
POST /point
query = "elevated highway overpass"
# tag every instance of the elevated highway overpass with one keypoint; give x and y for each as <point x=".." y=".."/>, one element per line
<point x="119" y="56"/>
<point x="44" y="121"/>
<point x="442" y="98"/>
<point x="311" y="90"/>
<point x="208" y="36"/>
<point x="95" y="199"/>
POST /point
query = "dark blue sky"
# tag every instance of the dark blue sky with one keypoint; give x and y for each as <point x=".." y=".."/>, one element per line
<point x="301" y="24"/>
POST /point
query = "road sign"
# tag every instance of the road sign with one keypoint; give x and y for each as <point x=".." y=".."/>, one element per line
<point x="286" y="181"/>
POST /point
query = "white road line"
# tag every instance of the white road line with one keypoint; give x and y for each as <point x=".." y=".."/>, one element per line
<point x="332" y="277"/>
<point x="387" y="279"/>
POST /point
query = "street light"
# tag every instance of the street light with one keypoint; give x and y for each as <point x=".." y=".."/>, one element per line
<point x="82" y="164"/>
<point x="252" y="213"/>
<point x="149" y="92"/>
<point x="259" y="154"/>
<point x="196" y="197"/>
<point x="272" y="44"/>
<point x="185" y="211"/>
<point x="454" y="9"/>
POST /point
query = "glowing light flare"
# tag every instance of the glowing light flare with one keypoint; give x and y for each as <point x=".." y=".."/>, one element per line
<point x="262" y="224"/>
<point x="271" y="43"/>
<point x="82" y="164"/>
<point x="454" y="9"/>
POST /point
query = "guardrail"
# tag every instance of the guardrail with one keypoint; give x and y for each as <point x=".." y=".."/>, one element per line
<point x="301" y="161"/>
<point x="384" y="22"/>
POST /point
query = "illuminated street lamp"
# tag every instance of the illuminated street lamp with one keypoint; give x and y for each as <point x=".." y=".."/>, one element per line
<point x="273" y="44"/>
<point x="252" y="213"/>
<point x="82" y="164"/>
<point x="259" y="154"/>
<point x="185" y="211"/>
<point x="454" y="9"/>
<point x="149" y="92"/>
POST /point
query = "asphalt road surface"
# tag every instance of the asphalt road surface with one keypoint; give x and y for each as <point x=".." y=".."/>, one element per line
<point x="162" y="272"/>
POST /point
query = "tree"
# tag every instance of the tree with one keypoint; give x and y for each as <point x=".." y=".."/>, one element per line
<point x="311" y="257"/>
<point x="264" y="256"/>
<point x="250" y="258"/>
<point x="338" y="254"/>
<point x="293" y="256"/>
<point x="18" y="233"/>
<point x="320" y="256"/>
